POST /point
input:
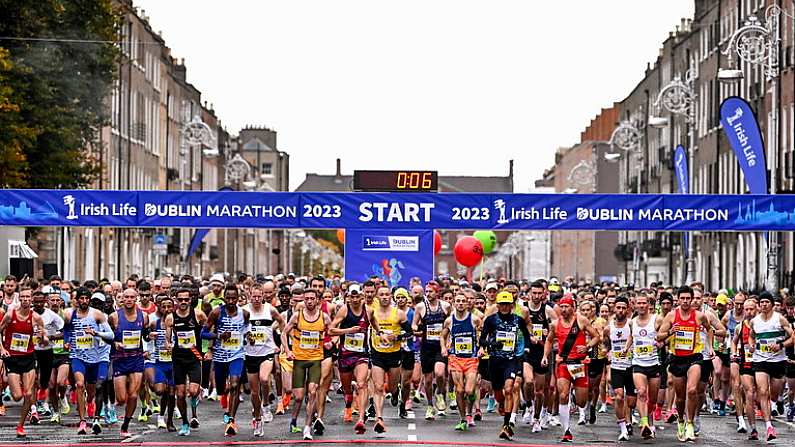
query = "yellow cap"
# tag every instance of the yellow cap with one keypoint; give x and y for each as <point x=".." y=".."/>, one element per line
<point x="554" y="288"/>
<point x="722" y="299"/>
<point x="401" y="292"/>
<point x="504" y="298"/>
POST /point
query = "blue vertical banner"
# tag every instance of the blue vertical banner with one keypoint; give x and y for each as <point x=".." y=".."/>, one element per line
<point x="680" y="169"/>
<point x="394" y="256"/>
<point x="742" y="129"/>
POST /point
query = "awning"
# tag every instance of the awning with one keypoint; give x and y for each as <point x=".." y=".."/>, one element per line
<point x="19" y="249"/>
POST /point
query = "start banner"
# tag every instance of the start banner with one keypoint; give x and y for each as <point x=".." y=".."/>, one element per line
<point x="397" y="211"/>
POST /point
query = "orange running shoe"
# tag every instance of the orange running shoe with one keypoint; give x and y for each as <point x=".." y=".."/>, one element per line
<point x="347" y="416"/>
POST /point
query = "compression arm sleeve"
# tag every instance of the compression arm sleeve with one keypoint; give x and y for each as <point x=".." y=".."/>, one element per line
<point x="407" y="331"/>
<point x="207" y="335"/>
<point x="105" y="332"/>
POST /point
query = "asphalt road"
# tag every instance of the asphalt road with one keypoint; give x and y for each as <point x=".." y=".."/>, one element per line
<point x="716" y="431"/>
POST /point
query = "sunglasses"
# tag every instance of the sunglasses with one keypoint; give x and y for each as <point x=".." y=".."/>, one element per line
<point x="183" y="300"/>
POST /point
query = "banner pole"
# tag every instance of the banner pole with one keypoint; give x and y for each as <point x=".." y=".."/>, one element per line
<point x="482" y="263"/>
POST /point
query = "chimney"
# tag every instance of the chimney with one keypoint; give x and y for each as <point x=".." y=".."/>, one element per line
<point x="510" y="168"/>
<point x="339" y="168"/>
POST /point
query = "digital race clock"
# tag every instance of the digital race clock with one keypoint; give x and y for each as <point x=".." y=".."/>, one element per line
<point x="395" y="181"/>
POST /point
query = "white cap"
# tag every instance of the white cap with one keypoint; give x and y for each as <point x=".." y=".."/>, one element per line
<point x="219" y="278"/>
<point x="99" y="296"/>
<point x="354" y="288"/>
<point x="47" y="290"/>
<point x="491" y="285"/>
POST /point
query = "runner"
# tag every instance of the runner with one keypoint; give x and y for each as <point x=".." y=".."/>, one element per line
<point x="682" y="327"/>
<point x="226" y="325"/>
<point x="500" y="337"/>
<point x="352" y="323"/>
<point x="643" y="346"/>
<point x="53" y="326"/>
<point x="390" y="327"/>
<point x="260" y="352"/>
<point x="59" y="378"/>
<point x="790" y="305"/>
<point x="569" y="332"/>
<point x="731" y="320"/>
<point x="770" y="334"/>
<point x="307" y="327"/>
<point x="617" y="337"/>
<point x="410" y="370"/>
<point x="162" y="354"/>
<point x="130" y="326"/>
<point x="742" y="356"/>
<point x="85" y="328"/>
<point x="183" y="330"/>
<point x="537" y="376"/>
<point x="18" y="326"/>
<point x="458" y="341"/>
<point x="597" y="360"/>
<point x="429" y="317"/>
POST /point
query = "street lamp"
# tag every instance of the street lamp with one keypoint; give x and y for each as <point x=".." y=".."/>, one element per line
<point x="759" y="44"/>
<point x="679" y="98"/>
<point x="193" y="133"/>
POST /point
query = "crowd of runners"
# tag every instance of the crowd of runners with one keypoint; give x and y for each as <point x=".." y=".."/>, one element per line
<point x="530" y="353"/>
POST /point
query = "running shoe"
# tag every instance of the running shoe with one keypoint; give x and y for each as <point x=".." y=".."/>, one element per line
<point x="461" y="426"/>
<point x="581" y="420"/>
<point x="567" y="437"/>
<point x="96" y="427"/>
<point x="184" y="430"/>
<point x="91" y="408"/>
<point x="441" y="405"/>
<point x="294" y="427"/>
<point x="510" y="428"/>
<point x="504" y="434"/>
<point x="21" y="431"/>
<point x="690" y="433"/>
<point x="554" y="421"/>
<point x="527" y="416"/>
<point x="65" y="408"/>
<point x="379" y="426"/>
<point x="307" y="433"/>
<point x="492" y="405"/>
<point x="394" y="399"/>
<point x="470" y="421"/>
<point x="56" y="418"/>
<point x="194" y="423"/>
<point x="673" y="415"/>
<point x="360" y="428"/>
<point x="227" y="418"/>
<point x="258" y="430"/>
<point x="645" y="432"/>
<point x="680" y="432"/>
<point x="82" y="428"/>
<point x="230" y="428"/>
<point x="771" y="433"/>
<point x="536" y="427"/>
<point x="279" y="408"/>
<point x="478" y="415"/>
<point x="161" y="421"/>
<point x="34" y="417"/>
<point x="402" y="412"/>
<point x="754" y="436"/>
<point x="347" y="415"/>
<point x="319" y="427"/>
<point x="623" y="436"/>
<point x="430" y="414"/>
<point x="592" y="416"/>
<point x="415" y="396"/>
<point x="657" y="413"/>
<point x="453" y="403"/>
<point x="267" y="416"/>
<point x="791" y="412"/>
<point x="697" y="426"/>
<point x="741" y="428"/>
<point x="125" y="433"/>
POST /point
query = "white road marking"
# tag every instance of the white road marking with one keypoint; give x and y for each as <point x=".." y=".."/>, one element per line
<point x="411" y="415"/>
<point x="412" y="426"/>
<point x="412" y="438"/>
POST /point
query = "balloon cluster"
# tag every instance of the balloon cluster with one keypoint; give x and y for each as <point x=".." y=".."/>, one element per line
<point x="469" y="250"/>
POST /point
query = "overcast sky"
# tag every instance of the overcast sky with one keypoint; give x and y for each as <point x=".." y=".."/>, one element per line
<point x="456" y="86"/>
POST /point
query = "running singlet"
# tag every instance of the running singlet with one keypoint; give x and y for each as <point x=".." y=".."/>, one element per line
<point x="644" y="349"/>
<point x="161" y="354"/>
<point x="356" y="343"/>
<point x="538" y="320"/>
<point x="684" y="342"/>
<point x="129" y="335"/>
<point x="619" y="358"/>
<point x="388" y="325"/>
<point x="187" y="332"/>
<point x="504" y="333"/>
<point x="744" y="350"/>
<point x="84" y="346"/>
<point x="261" y="331"/>
<point x="433" y="322"/>
<point x="563" y="333"/>
<point x="768" y="333"/>
<point x="18" y="339"/>
<point x="463" y="337"/>
<point x="308" y="337"/>
<point x="232" y="348"/>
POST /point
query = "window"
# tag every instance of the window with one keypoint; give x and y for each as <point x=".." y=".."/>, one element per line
<point x="267" y="168"/>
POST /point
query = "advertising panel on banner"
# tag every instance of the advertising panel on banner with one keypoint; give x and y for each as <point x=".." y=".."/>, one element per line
<point x="385" y="211"/>
<point x="742" y="129"/>
<point x="394" y="256"/>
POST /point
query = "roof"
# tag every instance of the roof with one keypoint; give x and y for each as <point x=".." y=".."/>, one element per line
<point x="332" y="183"/>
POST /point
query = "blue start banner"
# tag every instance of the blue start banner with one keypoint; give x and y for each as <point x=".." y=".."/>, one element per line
<point x="397" y="211"/>
<point x="394" y="256"/>
<point x="742" y="129"/>
<point x="680" y="169"/>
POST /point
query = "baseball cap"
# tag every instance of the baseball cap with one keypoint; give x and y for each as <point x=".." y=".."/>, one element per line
<point x="354" y="289"/>
<point x="722" y="299"/>
<point x="47" y="290"/>
<point x="553" y="287"/>
<point x="491" y="286"/>
<point x="401" y="292"/>
<point x="217" y="278"/>
<point x="99" y="296"/>
<point x="504" y="298"/>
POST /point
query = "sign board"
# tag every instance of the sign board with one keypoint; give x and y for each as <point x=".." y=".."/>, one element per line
<point x="394" y="256"/>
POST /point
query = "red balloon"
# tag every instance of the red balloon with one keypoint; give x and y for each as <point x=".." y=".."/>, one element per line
<point x="437" y="242"/>
<point x="468" y="251"/>
<point x="341" y="235"/>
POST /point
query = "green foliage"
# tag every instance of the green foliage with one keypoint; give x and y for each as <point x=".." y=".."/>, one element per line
<point x="53" y="93"/>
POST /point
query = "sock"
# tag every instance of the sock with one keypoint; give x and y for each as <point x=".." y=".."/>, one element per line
<point x="513" y="418"/>
<point x="348" y="400"/>
<point x="582" y="411"/>
<point x="644" y="420"/>
<point x="506" y="418"/>
<point x="622" y="425"/>
<point x="768" y="425"/>
<point x="126" y="424"/>
<point x="564" y="416"/>
<point x="293" y="421"/>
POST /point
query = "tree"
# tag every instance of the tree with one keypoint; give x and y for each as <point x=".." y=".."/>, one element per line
<point x="56" y="73"/>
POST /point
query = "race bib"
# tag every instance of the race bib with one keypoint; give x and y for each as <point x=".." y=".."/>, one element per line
<point x="508" y="340"/>
<point x="384" y="344"/>
<point x="309" y="340"/>
<point x="618" y="352"/>
<point x="186" y="339"/>
<point x="644" y="350"/>
<point x="259" y="335"/>
<point x="232" y="343"/>
<point x="577" y="371"/>
<point x="684" y="340"/>
<point x="36" y="339"/>
<point x="20" y="342"/>
<point x="749" y="356"/>
<point x="766" y="346"/>
<point x="538" y="330"/>
<point x="434" y="332"/>
<point x="354" y="342"/>
<point x="164" y="355"/>
<point x="131" y="339"/>
<point x="58" y="344"/>
<point x="463" y="345"/>
<point x="84" y="341"/>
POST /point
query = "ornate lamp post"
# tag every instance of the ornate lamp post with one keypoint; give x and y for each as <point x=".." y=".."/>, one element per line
<point x="679" y="98"/>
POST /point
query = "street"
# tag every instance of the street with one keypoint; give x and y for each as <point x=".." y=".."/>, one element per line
<point x="716" y="431"/>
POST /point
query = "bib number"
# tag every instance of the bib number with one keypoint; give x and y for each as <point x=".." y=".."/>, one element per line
<point x="508" y="340"/>
<point x="765" y="346"/>
<point x="310" y="340"/>
<point x="259" y="336"/>
<point x="84" y="341"/>
<point x="434" y="332"/>
<point x="186" y="339"/>
<point x="58" y="344"/>
<point x="463" y="345"/>
<point x="384" y="344"/>
<point x="20" y="342"/>
<point x="538" y="331"/>
<point x="354" y="342"/>
<point x="644" y="350"/>
<point x="131" y="339"/>
<point x="164" y="356"/>
<point x="576" y="371"/>
<point x="684" y="340"/>
<point x="232" y="343"/>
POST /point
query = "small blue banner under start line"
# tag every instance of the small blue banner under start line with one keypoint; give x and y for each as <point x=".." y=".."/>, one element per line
<point x="397" y="211"/>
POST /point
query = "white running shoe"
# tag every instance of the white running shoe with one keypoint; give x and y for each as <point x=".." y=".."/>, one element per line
<point x="307" y="433"/>
<point x="267" y="416"/>
<point x="527" y="417"/>
<point x="623" y="436"/>
<point x="603" y="408"/>
<point x="554" y="421"/>
<point x="536" y="426"/>
<point x="258" y="430"/>
<point x="544" y="420"/>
